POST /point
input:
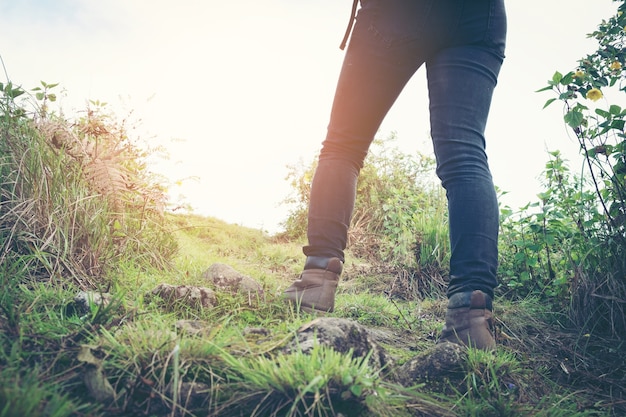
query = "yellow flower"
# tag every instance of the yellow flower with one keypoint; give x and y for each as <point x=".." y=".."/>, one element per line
<point x="579" y="73"/>
<point x="594" y="94"/>
<point x="616" y="65"/>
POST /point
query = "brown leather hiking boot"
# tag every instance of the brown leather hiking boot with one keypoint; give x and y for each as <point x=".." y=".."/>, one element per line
<point x="315" y="290"/>
<point x="469" y="321"/>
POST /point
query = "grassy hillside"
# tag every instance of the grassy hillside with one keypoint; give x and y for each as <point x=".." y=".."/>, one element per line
<point x="127" y="358"/>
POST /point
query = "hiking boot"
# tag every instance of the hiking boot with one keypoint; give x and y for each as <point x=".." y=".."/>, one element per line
<point x="314" y="291"/>
<point x="469" y="321"/>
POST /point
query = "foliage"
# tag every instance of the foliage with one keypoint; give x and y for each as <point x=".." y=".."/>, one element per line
<point x="585" y="216"/>
<point x="545" y="242"/>
<point x="76" y="195"/>
<point x="322" y="382"/>
<point x="236" y="366"/>
<point x="489" y="384"/>
<point x="29" y="396"/>
<point x="35" y="349"/>
<point x="400" y="216"/>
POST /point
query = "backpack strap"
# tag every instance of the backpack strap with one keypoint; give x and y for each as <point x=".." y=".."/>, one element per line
<point x="350" y="24"/>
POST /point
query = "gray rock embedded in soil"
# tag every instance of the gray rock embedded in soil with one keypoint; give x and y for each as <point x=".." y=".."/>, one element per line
<point x="439" y="362"/>
<point x="341" y="335"/>
<point x="84" y="299"/>
<point x="196" y="297"/>
<point x="193" y="327"/>
<point x="226" y="278"/>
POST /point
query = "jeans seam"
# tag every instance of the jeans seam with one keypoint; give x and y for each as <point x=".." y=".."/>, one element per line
<point x="489" y="38"/>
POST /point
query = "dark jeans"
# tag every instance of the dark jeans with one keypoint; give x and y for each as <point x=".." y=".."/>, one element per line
<point x="462" y="44"/>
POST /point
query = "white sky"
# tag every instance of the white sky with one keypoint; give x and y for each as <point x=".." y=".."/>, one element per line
<point x="237" y="90"/>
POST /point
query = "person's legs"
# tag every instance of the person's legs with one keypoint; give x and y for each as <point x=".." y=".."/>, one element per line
<point x="374" y="72"/>
<point x="380" y="60"/>
<point x="369" y="83"/>
<point x="461" y="81"/>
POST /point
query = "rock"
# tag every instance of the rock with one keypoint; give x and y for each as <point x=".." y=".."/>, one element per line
<point x="342" y="335"/>
<point x="84" y="299"/>
<point x="197" y="297"/>
<point x="94" y="378"/>
<point x="256" y="331"/>
<point x="437" y="363"/>
<point x="193" y="327"/>
<point x="226" y="278"/>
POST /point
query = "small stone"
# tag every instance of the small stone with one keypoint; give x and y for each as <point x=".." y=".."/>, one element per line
<point x="226" y="278"/>
<point x="84" y="299"/>
<point x="256" y="331"/>
<point x="196" y="297"/>
<point x="193" y="327"/>
<point x="342" y="335"/>
<point x="437" y="363"/>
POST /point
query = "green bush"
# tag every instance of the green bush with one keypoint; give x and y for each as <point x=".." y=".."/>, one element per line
<point x="543" y="243"/>
<point x="572" y="249"/>
<point x="76" y="197"/>
<point x="400" y="214"/>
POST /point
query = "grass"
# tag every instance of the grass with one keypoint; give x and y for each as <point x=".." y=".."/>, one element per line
<point x="141" y="356"/>
<point x="152" y="364"/>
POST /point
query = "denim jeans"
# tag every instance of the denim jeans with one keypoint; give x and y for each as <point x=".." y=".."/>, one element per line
<point x="461" y="42"/>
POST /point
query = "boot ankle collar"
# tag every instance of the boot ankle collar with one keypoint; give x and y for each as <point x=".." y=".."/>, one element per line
<point x="472" y="299"/>
<point x="321" y="262"/>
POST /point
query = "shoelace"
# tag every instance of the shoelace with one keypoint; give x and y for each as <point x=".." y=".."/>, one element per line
<point x="350" y="24"/>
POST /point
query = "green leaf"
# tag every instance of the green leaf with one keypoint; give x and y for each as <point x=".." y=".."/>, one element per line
<point x="557" y="77"/>
<point x="39" y="96"/>
<point x="16" y="92"/>
<point x="52" y="97"/>
<point x="617" y="124"/>
<point x="550" y="101"/>
<point x="544" y="196"/>
<point x="356" y="390"/>
<point x="550" y="87"/>
<point x="567" y="78"/>
<point x="580" y="107"/>
<point x="615" y="109"/>
<point x="603" y="113"/>
<point x="574" y="118"/>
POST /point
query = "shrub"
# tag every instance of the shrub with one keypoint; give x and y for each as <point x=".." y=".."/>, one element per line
<point x="76" y="197"/>
<point x="400" y="214"/>
<point x="590" y="218"/>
